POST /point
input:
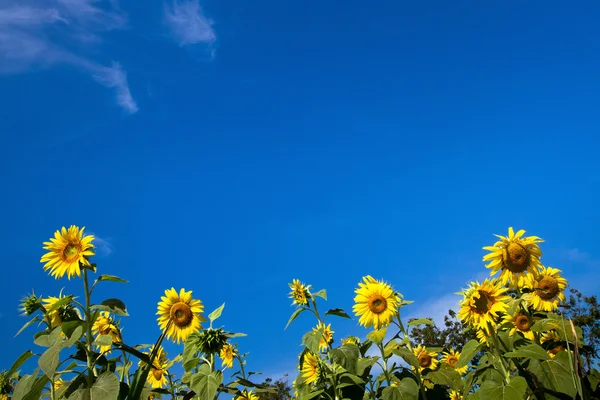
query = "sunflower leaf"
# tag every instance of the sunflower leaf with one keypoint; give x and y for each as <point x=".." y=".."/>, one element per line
<point x="103" y="340"/>
<point x="407" y="389"/>
<point x="36" y="389"/>
<point x="377" y="335"/>
<point x="110" y="278"/>
<point x="294" y="316"/>
<point x="469" y="351"/>
<point x="215" y="314"/>
<point x="22" y="358"/>
<point x="206" y="383"/>
<point x="420" y="321"/>
<point x="339" y="312"/>
<point x="321" y="293"/>
<point x="312" y="340"/>
<point x="114" y="306"/>
<point x="445" y="375"/>
<point x="27" y="324"/>
<point x="63" y="301"/>
<point x="407" y="356"/>
<point x="48" y="361"/>
<point x="534" y="351"/>
<point x="515" y="390"/>
<point x="346" y="356"/>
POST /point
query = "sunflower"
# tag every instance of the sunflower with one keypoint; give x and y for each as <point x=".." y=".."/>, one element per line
<point x="482" y="303"/>
<point x="376" y="303"/>
<point x="451" y="358"/>
<point x="427" y="359"/>
<point x="520" y="322"/>
<point x="157" y="378"/>
<point x="552" y="343"/>
<point x="454" y="395"/>
<point x="55" y="315"/>
<point x="246" y="395"/>
<point x="351" y="340"/>
<point x="227" y="355"/>
<point x="548" y="289"/>
<point x="106" y="325"/>
<point x="67" y="251"/>
<point x="300" y="293"/>
<point x="514" y="255"/>
<point x="310" y="368"/>
<point x="483" y="336"/>
<point x="179" y="314"/>
<point x="58" y="383"/>
<point x="327" y="337"/>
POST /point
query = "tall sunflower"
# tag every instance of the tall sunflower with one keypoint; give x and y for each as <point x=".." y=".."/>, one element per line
<point x="227" y="355"/>
<point x="67" y="251"/>
<point x="548" y="289"/>
<point x="327" y="337"/>
<point x="482" y="303"/>
<point x="300" y="293"/>
<point x="427" y="359"/>
<point x="310" y="368"/>
<point x="451" y="358"/>
<point x="157" y="378"/>
<point x="179" y="314"/>
<point x="520" y="322"/>
<point x="246" y="395"/>
<point x="106" y="325"/>
<point x="514" y="255"/>
<point x="376" y="303"/>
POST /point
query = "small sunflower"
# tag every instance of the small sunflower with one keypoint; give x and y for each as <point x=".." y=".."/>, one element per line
<point x="327" y="337"/>
<point x="520" y="322"/>
<point x="514" y="255"/>
<point x="300" y="293"/>
<point x="351" y="340"/>
<point x="454" y="395"/>
<point x="55" y="316"/>
<point x="106" y="325"/>
<point x="376" y="303"/>
<point x="482" y="303"/>
<point x="67" y="251"/>
<point x="310" y="368"/>
<point x="227" y="355"/>
<point x="548" y="289"/>
<point x="179" y="314"/>
<point x="246" y="395"/>
<point x="427" y="359"/>
<point x="451" y="358"/>
<point x="552" y="343"/>
<point x="58" y="383"/>
<point x="157" y="378"/>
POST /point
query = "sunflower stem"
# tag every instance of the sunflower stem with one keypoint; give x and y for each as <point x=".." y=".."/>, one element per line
<point x="410" y="348"/>
<point x="497" y="353"/>
<point x="89" y="338"/>
<point x="385" y="367"/>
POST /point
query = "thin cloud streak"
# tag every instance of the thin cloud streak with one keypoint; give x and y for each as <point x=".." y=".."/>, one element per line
<point x="188" y="24"/>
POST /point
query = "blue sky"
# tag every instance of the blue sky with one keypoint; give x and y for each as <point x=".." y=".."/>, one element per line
<point x="229" y="147"/>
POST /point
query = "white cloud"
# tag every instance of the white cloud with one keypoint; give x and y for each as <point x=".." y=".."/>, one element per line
<point x="188" y="24"/>
<point x="435" y="309"/>
<point x="103" y="246"/>
<point x="581" y="257"/>
<point x="35" y="35"/>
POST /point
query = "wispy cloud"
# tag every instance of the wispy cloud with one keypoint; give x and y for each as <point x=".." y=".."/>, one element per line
<point x="188" y="24"/>
<point x="103" y="246"/>
<point x="581" y="257"/>
<point x="44" y="34"/>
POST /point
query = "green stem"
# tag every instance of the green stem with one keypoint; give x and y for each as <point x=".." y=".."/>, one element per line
<point x="314" y="301"/>
<point x="498" y="355"/>
<point x="385" y="368"/>
<point x="410" y="348"/>
<point x="89" y="337"/>
<point x="52" y="392"/>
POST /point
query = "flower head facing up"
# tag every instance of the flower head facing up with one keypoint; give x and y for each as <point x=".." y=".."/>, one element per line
<point x="548" y="288"/>
<point x="106" y="325"/>
<point x="515" y="256"/>
<point x="451" y="359"/>
<point x="327" y="337"/>
<point x="68" y="250"/>
<point x="427" y="359"/>
<point x="246" y="395"/>
<point x="300" y="293"/>
<point x="376" y="303"/>
<point x="227" y="355"/>
<point x="180" y="314"/>
<point x="311" y="369"/>
<point x="482" y="303"/>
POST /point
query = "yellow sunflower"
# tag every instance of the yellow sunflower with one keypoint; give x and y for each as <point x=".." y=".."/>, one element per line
<point x="227" y="355"/>
<point x="554" y="343"/>
<point x="520" y="323"/>
<point x="451" y="358"/>
<point x="327" y="337"/>
<point x="67" y="250"/>
<point x="58" y="383"/>
<point x="427" y="359"/>
<point x="179" y="314"/>
<point x="482" y="303"/>
<point x="483" y="336"/>
<point x="300" y="293"/>
<point x="310" y="368"/>
<point x="246" y="395"/>
<point x="454" y="395"/>
<point x="106" y="325"/>
<point x="376" y="303"/>
<point x="548" y="289"/>
<point x="351" y="340"/>
<point x="514" y="255"/>
<point x="54" y="316"/>
<point x="157" y="378"/>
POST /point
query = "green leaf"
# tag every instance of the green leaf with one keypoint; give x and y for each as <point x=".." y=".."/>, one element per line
<point x="469" y="351"/>
<point x="23" y="386"/>
<point x="215" y="314"/>
<point x="48" y="339"/>
<point x="110" y="278"/>
<point x="103" y="340"/>
<point x="321" y="293"/>
<point x="407" y="356"/>
<point x="106" y="387"/>
<point x="122" y="346"/>
<point x="36" y="389"/>
<point x="346" y="356"/>
<point x="206" y="383"/>
<point x="60" y="303"/>
<point x="312" y="339"/>
<point x="445" y="376"/>
<point x="407" y="389"/>
<point x="534" y="351"/>
<point x="339" y="312"/>
<point x="421" y="321"/>
<point x="114" y="306"/>
<point x="22" y="358"/>
<point x="27" y="324"/>
<point x="69" y="327"/>
<point x="294" y="316"/>
<point x="75" y="335"/>
<point x="377" y="335"/>
<point x="48" y="361"/>
<point x="556" y="374"/>
<point x="364" y="364"/>
<point x="515" y="390"/>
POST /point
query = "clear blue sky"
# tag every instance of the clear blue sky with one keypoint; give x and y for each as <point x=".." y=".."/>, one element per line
<point x="231" y="147"/>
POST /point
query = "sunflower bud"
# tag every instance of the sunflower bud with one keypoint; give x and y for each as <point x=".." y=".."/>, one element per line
<point x="6" y="384"/>
<point x="30" y="304"/>
<point x="212" y="340"/>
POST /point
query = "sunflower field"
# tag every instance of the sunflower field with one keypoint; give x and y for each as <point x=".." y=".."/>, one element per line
<point x="525" y="348"/>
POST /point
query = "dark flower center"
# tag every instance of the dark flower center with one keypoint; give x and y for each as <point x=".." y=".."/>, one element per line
<point x="516" y="258"/>
<point x="549" y="288"/>
<point x="483" y="303"/>
<point x="377" y="303"/>
<point x="522" y="323"/>
<point x="424" y="360"/>
<point x="181" y="315"/>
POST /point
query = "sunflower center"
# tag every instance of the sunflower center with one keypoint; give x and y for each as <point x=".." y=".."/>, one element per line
<point x="452" y="361"/>
<point x="517" y="258"/>
<point x="522" y="323"/>
<point x="105" y="330"/>
<point x="377" y="304"/>
<point x="181" y="315"/>
<point x="157" y="373"/>
<point x="483" y="303"/>
<point x="71" y="252"/>
<point x="424" y="360"/>
<point x="549" y="288"/>
<point x="556" y="349"/>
